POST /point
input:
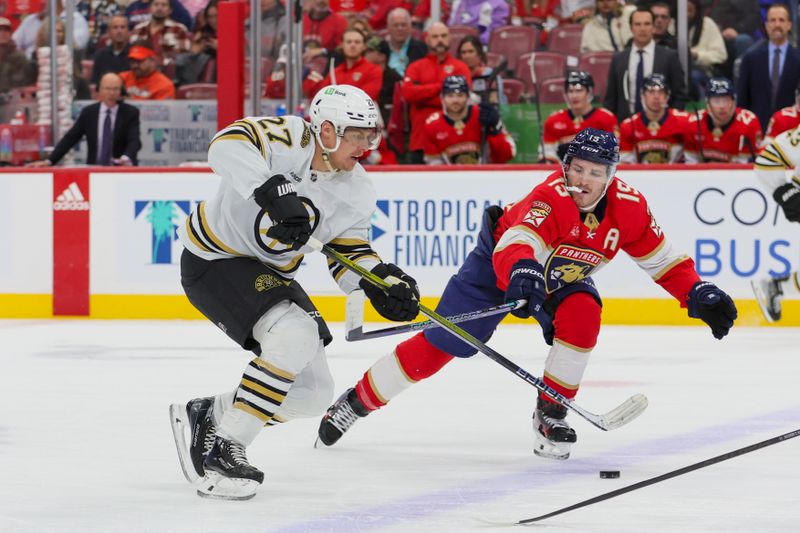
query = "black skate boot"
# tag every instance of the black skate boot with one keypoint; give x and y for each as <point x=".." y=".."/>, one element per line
<point x="340" y="416"/>
<point x="229" y="476"/>
<point x="554" y="437"/>
<point x="193" y="430"/>
<point x="769" y="294"/>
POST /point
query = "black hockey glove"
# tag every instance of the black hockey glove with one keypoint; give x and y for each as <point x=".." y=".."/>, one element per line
<point x="527" y="281"/>
<point x="788" y="197"/>
<point x="279" y="198"/>
<point x="489" y="117"/>
<point x="400" y="302"/>
<point x="713" y="306"/>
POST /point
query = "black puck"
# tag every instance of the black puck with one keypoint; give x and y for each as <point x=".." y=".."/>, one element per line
<point x="609" y="474"/>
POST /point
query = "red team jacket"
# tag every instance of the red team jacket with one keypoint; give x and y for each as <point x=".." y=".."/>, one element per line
<point x="365" y="75"/>
<point x="460" y="144"/>
<point x="737" y="143"/>
<point x="422" y="87"/>
<point x="661" y="142"/>
<point x="784" y="119"/>
<point x="547" y="226"/>
<point x="561" y="127"/>
<point x="326" y="32"/>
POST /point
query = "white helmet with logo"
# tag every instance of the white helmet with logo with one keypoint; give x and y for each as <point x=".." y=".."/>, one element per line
<point x="344" y="106"/>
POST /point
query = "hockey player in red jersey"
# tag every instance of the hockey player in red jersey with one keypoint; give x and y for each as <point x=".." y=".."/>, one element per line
<point x="454" y="136"/>
<point x="784" y="119"/>
<point x="562" y="126"/>
<point x="656" y="134"/>
<point x="722" y="133"/>
<point x="544" y="248"/>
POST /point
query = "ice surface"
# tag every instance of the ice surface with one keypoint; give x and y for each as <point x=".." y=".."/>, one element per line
<point x="85" y="443"/>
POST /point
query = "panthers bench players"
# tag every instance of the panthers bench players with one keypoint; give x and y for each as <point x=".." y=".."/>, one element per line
<point x="282" y="180"/>
<point x="544" y="248"/>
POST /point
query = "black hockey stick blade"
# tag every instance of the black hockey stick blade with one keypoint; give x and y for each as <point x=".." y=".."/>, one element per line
<point x="668" y="475"/>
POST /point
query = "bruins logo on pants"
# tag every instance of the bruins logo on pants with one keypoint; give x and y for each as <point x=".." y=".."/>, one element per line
<point x="265" y="282"/>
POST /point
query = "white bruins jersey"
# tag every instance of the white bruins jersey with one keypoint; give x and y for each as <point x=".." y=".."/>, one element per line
<point x="778" y="156"/>
<point x="245" y="155"/>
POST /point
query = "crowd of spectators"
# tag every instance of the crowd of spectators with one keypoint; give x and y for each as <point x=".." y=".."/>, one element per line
<point x="621" y="56"/>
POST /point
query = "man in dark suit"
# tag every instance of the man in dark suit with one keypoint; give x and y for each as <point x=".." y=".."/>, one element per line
<point x="770" y="72"/>
<point x="632" y="65"/>
<point x="111" y="128"/>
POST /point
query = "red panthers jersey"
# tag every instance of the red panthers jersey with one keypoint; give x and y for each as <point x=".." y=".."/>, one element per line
<point x="547" y="226"/>
<point x="450" y="142"/>
<point x="737" y="142"/>
<point x="562" y="126"/>
<point x="643" y="141"/>
<point x="784" y="119"/>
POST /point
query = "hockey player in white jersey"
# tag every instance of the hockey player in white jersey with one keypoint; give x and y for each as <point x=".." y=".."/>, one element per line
<point x="781" y="154"/>
<point x="282" y="180"/>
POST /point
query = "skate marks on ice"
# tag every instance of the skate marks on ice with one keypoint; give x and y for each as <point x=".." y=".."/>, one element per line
<point x="523" y="486"/>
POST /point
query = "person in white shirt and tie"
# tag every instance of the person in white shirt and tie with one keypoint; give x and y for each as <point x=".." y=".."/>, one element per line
<point x="632" y="65"/>
<point x="111" y="128"/>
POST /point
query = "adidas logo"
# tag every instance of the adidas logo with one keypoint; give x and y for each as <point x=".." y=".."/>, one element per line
<point x="71" y="200"/>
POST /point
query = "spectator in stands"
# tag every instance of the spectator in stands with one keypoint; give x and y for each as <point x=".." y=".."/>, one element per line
<point x="562" y="126"/>
<point x="787" y="118"/>
<point x="168" y="38"/>
<point x="355" y="70"/>
<point x="739" y="21"/>
<point x="138" y="12"/>
<point x="707" y="47"/>
<point x="422" y="84"/>
<point x="26" y="33"/>
<point x="273" y="28"/>
<point x="460" y="132"/>
<point x="191" y="67"/>
<point x="378" y="12"/>
<point x="608" y="30"/>
<point x="111" y="128"/>
<point x="15" y="69"/>
<point x="400" y="47"/>
<point x="471" y="52"/>
<point x="629" y="68"/>
<point x="98" y="14"/>
<point x="656" y="134"/>
<point x="80" y="86"/>
<point x="144" y="81"/>
<point x="485" y="15"/>
<point x="662" y="21"/>
<point x="114" y="57"/>
<point x="376" y="55"/>
<point x="770" y="71"/>
<point x="322" y="30"/>
<point x="722" y="133"/>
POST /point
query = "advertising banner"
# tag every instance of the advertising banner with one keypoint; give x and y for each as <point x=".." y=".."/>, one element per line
<point x="71" y="242"/>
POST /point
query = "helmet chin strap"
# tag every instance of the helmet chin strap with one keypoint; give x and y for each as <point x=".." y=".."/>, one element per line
<point x="326" y="152"/>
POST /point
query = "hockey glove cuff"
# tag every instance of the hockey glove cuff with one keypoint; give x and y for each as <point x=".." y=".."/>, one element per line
<point x="788" y="197"/>
<point x="279" y="198"/>
<point x="489" y="118"/>
<point x="713" y="306"/>
<point x="527" y="281"/>
<point x="400" y="302"/>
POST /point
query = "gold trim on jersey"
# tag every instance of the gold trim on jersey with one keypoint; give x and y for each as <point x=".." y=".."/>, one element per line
<point x="190" y="231"/>
<point x="669" y="267"/>
<point x="400" y="366"/>
<point x="560" y="383"/>
<point x="573" y="347"/>
<point x="248" y="408"/>
<point x="289" y="267"/>
<point x="273" y="369"/>
<point x="524" y="229"/>
<point x="206" y="229"/>
<point x="250" y="386"/>
<point x="651" y="254"/>
<point x="256" y="137"/>
<point x="354" y="249"/>
<point x="375" y="388"/>
<point x="773" y="154"/>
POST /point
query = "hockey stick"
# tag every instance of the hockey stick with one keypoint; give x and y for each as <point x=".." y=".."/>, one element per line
<point x="536" y="89"/>
<point x="617" y="417"/>
<point x="668" y="475"/>
<point x="354" y="319"/>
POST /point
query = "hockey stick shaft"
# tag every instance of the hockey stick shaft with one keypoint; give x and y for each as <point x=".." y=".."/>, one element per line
<point x="428" y="324"/>
<point x="619" y="416"/>
<point x="668" y="475"/>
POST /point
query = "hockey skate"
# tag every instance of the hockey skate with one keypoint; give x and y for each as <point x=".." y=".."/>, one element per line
<point x="768" y="295"/>
<point x="554" y="437"/>
<point x="228" y="474"/>
<point x="193" y="430"/>
<point x="339" y="417"/>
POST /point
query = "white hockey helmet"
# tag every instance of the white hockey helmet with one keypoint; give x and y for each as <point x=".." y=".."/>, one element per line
<point x="344" y="106"/>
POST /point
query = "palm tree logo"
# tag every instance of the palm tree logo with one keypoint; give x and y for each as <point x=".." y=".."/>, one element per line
<point x="161" y="216"/>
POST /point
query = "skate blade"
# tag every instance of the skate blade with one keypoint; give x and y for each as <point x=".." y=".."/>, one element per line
<point x="217" y="487"/>
<point x="761" y="300"/>
<point x="551" y="451"/>
<point x="180" y="431"/>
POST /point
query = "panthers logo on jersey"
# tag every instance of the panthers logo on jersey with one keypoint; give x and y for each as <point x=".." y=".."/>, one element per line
<point x="569" y="264"/>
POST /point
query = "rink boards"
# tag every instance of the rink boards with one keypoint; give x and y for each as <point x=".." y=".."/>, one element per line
<point x="102" y="243"/>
